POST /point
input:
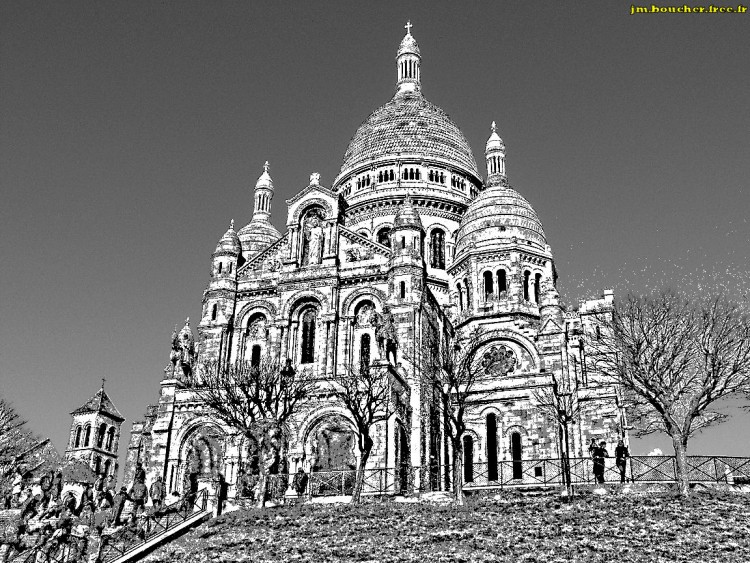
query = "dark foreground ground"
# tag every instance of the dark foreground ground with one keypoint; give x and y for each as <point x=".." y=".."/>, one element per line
<point x="709" y="526"/>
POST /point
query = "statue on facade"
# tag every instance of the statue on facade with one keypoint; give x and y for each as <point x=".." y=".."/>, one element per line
<point x="385" y="334"/>
<point x="182" y="357"/>
<point x="312" y="250"/>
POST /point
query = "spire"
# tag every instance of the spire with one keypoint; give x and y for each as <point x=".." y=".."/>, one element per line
<point x="494" y="153"/>
<point x="263" y="195"/>
<point x="408" y="60"/>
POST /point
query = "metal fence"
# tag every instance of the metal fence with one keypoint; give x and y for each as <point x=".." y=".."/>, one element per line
<point x="521" y="473"/>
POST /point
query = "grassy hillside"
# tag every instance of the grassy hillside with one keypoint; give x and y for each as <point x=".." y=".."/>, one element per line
<point x="707" y="527"/>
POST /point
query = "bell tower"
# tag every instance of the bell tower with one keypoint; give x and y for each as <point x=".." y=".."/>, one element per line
<point x="95" y="434"/>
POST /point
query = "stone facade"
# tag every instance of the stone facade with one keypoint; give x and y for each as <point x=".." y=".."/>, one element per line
<point x="409" y="233"/>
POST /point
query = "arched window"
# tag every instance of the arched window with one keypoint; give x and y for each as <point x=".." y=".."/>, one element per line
<point x="492" y="447"/>
<point x="384" y="236"/>
<point x="468" y="293"/>
<point x="403" y="243"/>
<point x="537" y="283"/>
<point x="437" y="249"/>
<point x="417" y="175"/>
<point x="107" y="466"/>
<point x="87" y="436"/>
<point x="402" y="287"/>
<point x="430" y="176"/>
<point x="468" y="459"/>
<point x="502" y="283"/>
<point x="255" y="356"/>
<point x="230" y="267"/>
<point x="380" y="176"/>
<point x="405" y="175"/>
<point x="598" y="332"/>
<point x="214" y="310"/>
<point x="460" y="297"/>
<point x="78" y="438"/>
<point x="515" y="454"/>
<point x="220" y="266"/>
<point x="100" y="435"/>
<point x="526" y="276"/>
<point x="488" y="289"/>
<point x="308" y="337"/>
<point x="364" y="351"/>
<point x="97" y="465"/>
<point x="110" y="439"/>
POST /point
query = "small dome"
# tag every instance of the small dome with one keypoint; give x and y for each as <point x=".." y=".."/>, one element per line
<point x="494" y="142"/>
<point x="498" y="214"/>
<point x="408" y="46"/>
<point x="407" y="216"/>
<point x="230" y="242"/>
<point x="264" y="180"/>
<point x="257" y="235"/>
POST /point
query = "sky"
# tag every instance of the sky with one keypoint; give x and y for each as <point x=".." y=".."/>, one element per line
<point x="131" y="133"/>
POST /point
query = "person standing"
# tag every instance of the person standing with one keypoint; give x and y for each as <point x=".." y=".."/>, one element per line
<point x="157" y="493"/>
<point x="118" y="505"/>
<point x="598" y="455"/>
<point x="140" y="473"/>
<point x="299" y="483"/>
<point x="139" y="496"/>
<point x="621" y="459"/>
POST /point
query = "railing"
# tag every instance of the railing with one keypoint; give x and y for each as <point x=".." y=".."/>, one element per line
<point x="73" y="548"/>
<point x="148" y="526"/>
<point x="520" y="473"/>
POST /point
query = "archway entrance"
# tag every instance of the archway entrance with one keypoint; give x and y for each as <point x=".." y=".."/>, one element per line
<point x="331" y="443"/>
<point x="202" y="451"/>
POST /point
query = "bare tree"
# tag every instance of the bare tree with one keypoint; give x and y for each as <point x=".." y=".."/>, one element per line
<point x="456" y="378"/>
<point x="367" y="393"/>
<point x="19" y="447"/>
<point x="674" y="358"/>
<point x="257" y="401"/>
<point x="563" y="407"/>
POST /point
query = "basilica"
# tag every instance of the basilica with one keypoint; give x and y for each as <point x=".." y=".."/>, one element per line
<point x="412" y="235"/>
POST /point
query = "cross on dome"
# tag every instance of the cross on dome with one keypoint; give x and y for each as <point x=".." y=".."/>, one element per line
<point x="493" y="127"/>
<point x="265" y="167"/>
<point x="408" y="27"/>
<point x="231" y="225"/>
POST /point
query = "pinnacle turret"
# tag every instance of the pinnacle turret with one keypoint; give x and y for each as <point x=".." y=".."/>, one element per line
<point x="408" y="61"/>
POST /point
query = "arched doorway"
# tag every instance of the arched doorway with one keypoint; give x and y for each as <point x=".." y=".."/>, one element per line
<point x="203" y="453"/>
<point x="333" y="461"/>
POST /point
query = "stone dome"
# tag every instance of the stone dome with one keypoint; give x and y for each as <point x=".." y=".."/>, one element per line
<point x="409" y="125"/>
<point x="408" y="46"/>
<point x="257" y="235"/>
<point x="407" y="216"/>
<point x="229" y="243"/>
<point x="497" y="215"/>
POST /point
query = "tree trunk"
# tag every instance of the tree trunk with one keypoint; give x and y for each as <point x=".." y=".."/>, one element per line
<point x="360" y="480"/>
<point x="680" y="452"/>
<point x="458" y="471"/>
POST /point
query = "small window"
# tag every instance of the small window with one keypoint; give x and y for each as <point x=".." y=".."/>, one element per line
<point x="220" y="266"/>
<point x="403" y="242"/>
<point x="255" y="356"/>
<point x="214" y="310"/>
<point x="78" y="437"/>
<point x="87" y="437"/>
<point x="402" y="285"/>
<point x="230" y="267"/>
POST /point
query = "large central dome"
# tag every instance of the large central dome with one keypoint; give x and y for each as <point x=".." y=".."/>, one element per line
<point x="409" y="125"/>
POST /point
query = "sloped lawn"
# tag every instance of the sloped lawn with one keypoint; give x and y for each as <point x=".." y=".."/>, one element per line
<point x="706" y="527"/>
